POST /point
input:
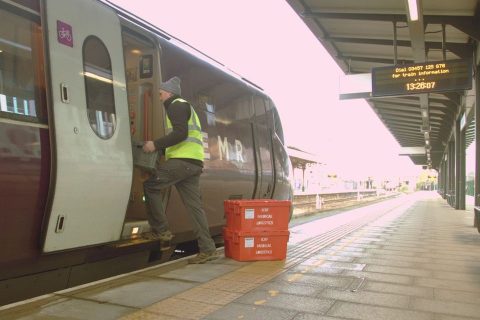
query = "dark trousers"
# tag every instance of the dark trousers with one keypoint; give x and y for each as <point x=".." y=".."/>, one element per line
<point x="186" y="178"/>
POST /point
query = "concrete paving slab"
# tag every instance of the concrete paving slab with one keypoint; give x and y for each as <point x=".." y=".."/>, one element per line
<point x="312" y="269"/>
<point x="368" y="312"/>
<point x="399" y="289"/>
<point x="384" y="277"/>
<point x="291" y="288"/>
<point x="32" y="308"/>
<point x="309" y="316"/>
<point x="352" y="254"/>
<point x="448" y="284"/>
<point x="385" y="262"/>
<point x="448" y="317"/>
<point x="399" y="270"/>
<point x="79" y="309"/>
<point x="286" y="301"/>
<point x="458" y="275"/>
<point x="248" y="312"/>
<point x="137" y="294"/>
<point x="345" y="266"/>
<point x="344" y="248"/>
<point x="389" y="255"/>
<point x="447" y="307"/>
<point x="199" y="272"/>
<point x="321" y="281"/>
<point x="313" y="259"/>
<point x="366" y="297"/>
<point x="457" y="296"/>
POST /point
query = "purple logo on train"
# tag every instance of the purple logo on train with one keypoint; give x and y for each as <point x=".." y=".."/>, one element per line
<point x="64" y="33"/>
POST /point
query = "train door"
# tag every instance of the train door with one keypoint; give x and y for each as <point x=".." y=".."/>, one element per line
<point x="92" y="155"/>
<point x="263" y="149"/>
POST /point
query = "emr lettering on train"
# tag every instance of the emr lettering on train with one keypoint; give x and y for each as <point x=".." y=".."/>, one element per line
<point x="224" y="152"/>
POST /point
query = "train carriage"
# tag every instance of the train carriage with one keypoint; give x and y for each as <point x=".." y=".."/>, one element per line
<point x="78" y="91"/>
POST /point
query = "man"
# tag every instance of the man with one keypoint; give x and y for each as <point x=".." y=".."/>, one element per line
<point x="183" y="149"/>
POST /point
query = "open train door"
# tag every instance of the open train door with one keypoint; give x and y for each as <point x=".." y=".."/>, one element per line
<point x="91" y="139"/>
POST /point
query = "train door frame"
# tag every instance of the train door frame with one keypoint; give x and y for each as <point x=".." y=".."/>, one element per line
<point x="136" y="218"/>
<point x="262" y="129"/>
<point x="92" y="159"/>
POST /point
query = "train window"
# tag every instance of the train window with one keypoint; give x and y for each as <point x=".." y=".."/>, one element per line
<point x="139" y="53"/>
<point x="22" y="85"/>
<point x="206" y="102"/>
<point x="97" y="69"/>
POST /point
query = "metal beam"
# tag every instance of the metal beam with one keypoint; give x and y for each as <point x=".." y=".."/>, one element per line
<point x="387" y="61"/>
<point x="462" y="50"/>
<point x="355" y="16"/>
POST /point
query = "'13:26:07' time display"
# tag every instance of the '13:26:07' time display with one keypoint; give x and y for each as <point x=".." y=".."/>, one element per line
<point x="420" y="85"/>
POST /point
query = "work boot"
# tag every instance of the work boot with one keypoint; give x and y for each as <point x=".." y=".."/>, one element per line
<point x="165" y="240"/>
<point x="203" y="257"/>
<point x="164" y="237"/>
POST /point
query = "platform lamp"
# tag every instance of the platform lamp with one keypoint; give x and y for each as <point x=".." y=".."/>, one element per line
<point x="412" y="10"/>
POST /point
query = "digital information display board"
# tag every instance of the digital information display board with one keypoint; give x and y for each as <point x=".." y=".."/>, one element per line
<point x="425" y="77"/>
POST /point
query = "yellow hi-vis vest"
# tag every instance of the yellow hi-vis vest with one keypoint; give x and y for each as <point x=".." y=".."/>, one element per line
<point x="192" y="146"/>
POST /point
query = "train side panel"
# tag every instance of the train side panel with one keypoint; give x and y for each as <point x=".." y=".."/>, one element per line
<point x="24" y="136"/>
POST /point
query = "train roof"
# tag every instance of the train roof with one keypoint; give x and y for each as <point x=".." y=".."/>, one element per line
<point x="130" y="17"/>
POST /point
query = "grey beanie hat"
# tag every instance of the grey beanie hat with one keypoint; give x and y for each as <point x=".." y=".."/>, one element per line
<point x="172" y="85"/>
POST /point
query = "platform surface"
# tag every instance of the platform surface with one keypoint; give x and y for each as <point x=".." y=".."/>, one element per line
<point x="412" y="258"/>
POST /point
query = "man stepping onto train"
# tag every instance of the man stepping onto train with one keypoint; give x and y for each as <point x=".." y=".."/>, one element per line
<point x="183" y="149"/>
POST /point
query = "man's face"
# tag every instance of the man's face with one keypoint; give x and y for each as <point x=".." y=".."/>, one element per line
<point x="164" y="95"/>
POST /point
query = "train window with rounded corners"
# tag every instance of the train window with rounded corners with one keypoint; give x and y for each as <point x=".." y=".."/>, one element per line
<point x="97" y="69"/>
<point x="22" y="85"/>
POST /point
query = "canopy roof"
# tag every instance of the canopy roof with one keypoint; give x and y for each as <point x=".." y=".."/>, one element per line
<point x="361" y="35"/>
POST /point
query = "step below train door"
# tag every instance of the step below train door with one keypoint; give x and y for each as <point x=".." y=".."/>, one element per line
<point x="92" y="162"/>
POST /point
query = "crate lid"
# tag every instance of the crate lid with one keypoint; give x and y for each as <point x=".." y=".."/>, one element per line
<point x="269" y="233"/>
<point x="259" y="202"/>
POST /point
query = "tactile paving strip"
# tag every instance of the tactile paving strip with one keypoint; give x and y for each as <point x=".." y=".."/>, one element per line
<point x="143" y="315"/>
<point x="182" y="309"/>
<point x="210" y="296"/>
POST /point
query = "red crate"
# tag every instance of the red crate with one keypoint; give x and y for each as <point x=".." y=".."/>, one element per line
<point x="257" y="215"/>
<point x="255" y="246"/>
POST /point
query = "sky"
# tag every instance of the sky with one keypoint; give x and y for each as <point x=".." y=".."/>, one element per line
<point x="266" y="42"/>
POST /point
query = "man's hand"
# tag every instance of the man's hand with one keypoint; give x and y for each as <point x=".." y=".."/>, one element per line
<point x="149" y="146"/>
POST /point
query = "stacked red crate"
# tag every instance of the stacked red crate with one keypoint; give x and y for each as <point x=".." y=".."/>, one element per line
<point x="256" y="229"/>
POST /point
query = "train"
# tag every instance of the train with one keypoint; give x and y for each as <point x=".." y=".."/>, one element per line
<point x="78" y="92"/>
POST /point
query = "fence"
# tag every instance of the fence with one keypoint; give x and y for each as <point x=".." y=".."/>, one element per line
<point x="304" y="204"/>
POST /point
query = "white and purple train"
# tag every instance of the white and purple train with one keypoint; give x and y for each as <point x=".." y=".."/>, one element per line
<point x="78" y="84"/>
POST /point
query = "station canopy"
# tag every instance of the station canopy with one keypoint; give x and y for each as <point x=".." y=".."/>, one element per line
<point x="362" y="36"/>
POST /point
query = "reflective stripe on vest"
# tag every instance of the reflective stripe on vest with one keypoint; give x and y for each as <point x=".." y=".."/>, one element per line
<point x="192" y="146"/>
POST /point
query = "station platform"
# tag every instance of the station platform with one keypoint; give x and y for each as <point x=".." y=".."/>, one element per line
<point x="412" y="257"/>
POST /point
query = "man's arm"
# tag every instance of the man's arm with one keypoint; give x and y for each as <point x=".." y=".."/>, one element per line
<point x="179" y="113"/>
